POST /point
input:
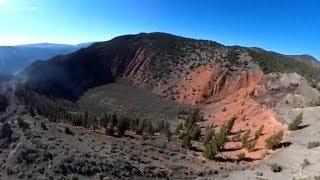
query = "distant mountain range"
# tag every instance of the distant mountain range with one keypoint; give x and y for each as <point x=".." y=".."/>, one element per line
<point x="14" y="58"/>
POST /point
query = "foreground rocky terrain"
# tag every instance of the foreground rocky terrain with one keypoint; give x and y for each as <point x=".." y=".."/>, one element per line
<point x="39" y="149"/>
<point x="299" y="160"/>
<point x="160" y="106"/>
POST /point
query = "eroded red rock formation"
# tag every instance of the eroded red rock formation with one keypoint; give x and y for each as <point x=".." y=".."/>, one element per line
<point x="221" y="96"/>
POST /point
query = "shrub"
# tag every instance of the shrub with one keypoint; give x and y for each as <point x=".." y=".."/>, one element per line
<point x="241" y="157"/>
<point x="208" y="137"/>
<point x="109" y="131"/>
<point x="6" y="131"/>
<point x="32" y="113"/>
<point x="94" y="123"/>
<point x="211" y="150"/>
<point x="245" y="137"/>
<point x="259" y="132"/>
<point x="168" y="134"/>
<point x="122" y="126"/>
<point x="134" y="124"/>
<point x="186" y="142"/>
<point x="192" y="118"/>
<point x="246" y="143"/>
<point x="181" y="136"/>
<point x="195" y="133"/>
<point x="316" y="177"/>
<point x="236" y="137"/>
<point x="114" y="120"/>
<point x="273" y="141"/>
<point x="276" y="168"/>
<point x="43" y="126"/>
<point x="68" y="131"/>
<point x="313" y="144"/>
<point x="150" y="130"/>
<point x="305" y="163"/>
<point x="105" y="120"/>
<point x="230" y="124"/>
<point x="178" y="129"/>
<point x="161" y="126"/>
<point x="22" y="124"/>
<point x="295" y="124"/>
<point x="250" y="145"/>
<point x="140" y="129"/>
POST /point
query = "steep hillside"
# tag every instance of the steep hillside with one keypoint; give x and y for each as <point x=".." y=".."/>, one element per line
<point x="153" y="61"/>
<point x="15" y="58"/>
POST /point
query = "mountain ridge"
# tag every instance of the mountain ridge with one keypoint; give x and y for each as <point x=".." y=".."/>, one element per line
<point x="113" y="56"/>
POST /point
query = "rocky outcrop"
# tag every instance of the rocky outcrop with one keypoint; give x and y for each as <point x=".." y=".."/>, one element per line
<point x="286" y="91"/>
<point x="295" y="90"/>
<point x="135" y="71"/>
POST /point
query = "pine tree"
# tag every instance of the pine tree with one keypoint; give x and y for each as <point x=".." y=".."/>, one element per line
<point x="296" y="123"/>
<point x="161" y="126"/>
<point x="109" y="131"/>
<point x="178" y="129"/>
<point x="195" y="133"/>
<point x="140" y="129"/>
<point x="104" y="120"/>
<point x="6" y="131"/>
<point x="245" y="137"/>
<point x="211" y="150"/>
<point x="122" y="126"/>
<point x="168" y="134"/>
<point x="32" y="113"/>
<point x="208" y="137"/>
<point x="186" y="142"/>
<point x="95" y="124"/>
<point x="114" y="120"/>
<point x="273" y="141"/>
<point x="86" y="118"/>
<point x="250" y="145"/>
<point x="134" y="124"/>
<point x="150" y="129"/>
<point x="259" y="132"/>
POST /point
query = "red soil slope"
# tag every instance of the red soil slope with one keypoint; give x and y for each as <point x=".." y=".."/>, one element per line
<point x="221" y="96"/>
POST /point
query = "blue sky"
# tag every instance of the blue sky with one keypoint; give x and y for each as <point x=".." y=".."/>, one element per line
<point x="286" y="26"/>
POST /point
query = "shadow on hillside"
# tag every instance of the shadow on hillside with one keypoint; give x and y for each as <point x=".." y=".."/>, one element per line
<point x="283" y="145"/>
<point x="240" y="131"/>
<point x="222" y="159"/>
<point x="196" y="149"/>
<point x="231" y="149"/>
<point x="304" y="126"/>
